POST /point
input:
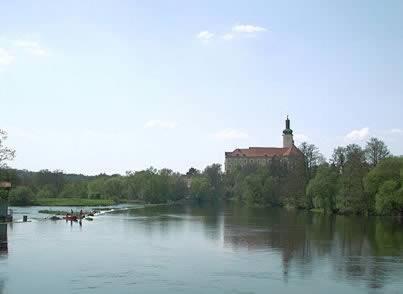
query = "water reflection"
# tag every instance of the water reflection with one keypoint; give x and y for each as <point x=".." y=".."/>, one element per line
<point x="3" y="239"/>
<point x="364" y="250"/>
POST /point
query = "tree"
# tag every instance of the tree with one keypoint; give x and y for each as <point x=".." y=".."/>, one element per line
<point x="313" y="158"/>
<point x="22" y="196"/>
<point x="339" y="158"/>
<point x="214" y="175"/>
<point x="192" y="172"/>
<point x="375" y="151"/>
<point x="384" y="184"/>
<point x="352" y="197"/>
<point x="322" y="189"/>
<point x="6" y="154"/>
<point x="200" y="189"/>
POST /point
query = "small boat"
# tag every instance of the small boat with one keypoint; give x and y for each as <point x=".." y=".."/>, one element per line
<point x="89" y="218"/>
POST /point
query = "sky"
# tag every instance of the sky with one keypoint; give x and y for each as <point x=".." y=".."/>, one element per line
<point x="112" y="86"/>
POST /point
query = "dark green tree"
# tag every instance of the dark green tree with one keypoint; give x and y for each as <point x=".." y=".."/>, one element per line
<point x="22" y="196"/>
<point x="312" y="157"/>
<point x="384" y="186"/>
<point x="352" y="197"/>
<point x="375" y="151"/>
<point x="322" y="189"/>
<point x="193" y="172"/>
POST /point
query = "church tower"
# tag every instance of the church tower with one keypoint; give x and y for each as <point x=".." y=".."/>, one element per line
<point x="288" y="140"/>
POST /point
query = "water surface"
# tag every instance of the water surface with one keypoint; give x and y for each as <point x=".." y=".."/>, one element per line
<point x="182" y="249"/>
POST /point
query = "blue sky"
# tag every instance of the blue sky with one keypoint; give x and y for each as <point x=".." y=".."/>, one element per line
<point x="110" y="86"/>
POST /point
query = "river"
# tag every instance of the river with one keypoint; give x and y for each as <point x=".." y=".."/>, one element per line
<point x="212" y="249"/>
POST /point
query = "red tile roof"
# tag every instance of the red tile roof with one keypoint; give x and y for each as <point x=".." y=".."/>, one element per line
<point x="264" y="152"/>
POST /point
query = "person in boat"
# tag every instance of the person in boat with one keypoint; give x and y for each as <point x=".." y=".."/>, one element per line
<point x="81" y="214"/>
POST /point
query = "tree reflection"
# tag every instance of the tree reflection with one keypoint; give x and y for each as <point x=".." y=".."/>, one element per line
<point x="358" y="248"/>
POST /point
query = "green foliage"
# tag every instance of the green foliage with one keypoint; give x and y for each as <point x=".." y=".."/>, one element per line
<point x="323" y="188"/>
<point x="214" y="175"/>
<point x="352" y="197"/>
<point x="21" y="196"/>
<point x="376" y="151"/>
<point x="74" y="190"/>
<point x="312" y="158"/>
<point x="280" y="183"/>
<point x="46" y="191"/>
<point x="200" y="189"/>
<point x="384" y="184"/>
<point x="193" y="172"/>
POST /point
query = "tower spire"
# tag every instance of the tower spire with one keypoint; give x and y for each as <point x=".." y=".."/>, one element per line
<point x="288" y="140"/>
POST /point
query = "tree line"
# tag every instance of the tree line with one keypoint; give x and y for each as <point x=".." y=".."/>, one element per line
<point x="355" y="180"/>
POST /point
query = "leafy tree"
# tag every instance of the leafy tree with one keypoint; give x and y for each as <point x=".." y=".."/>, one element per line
<point x="339" y="158"/>
<point x="193" y="172"/>
<point x="313" y="158"/>
<point x="322" y="189"/>
<point x="214" y="175"/>
<point x="74" y="190"/>
<point x="352" y="197"/>
<point x="384" y="186"/>
<point x="46" y="191"/>
<point x="294" y="184"/>
<point x="200" y="189"/>
<point x="376" y="150"/>
<point x="22" y="196"/>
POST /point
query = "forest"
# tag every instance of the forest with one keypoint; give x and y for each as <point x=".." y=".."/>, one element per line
<point x="355" y="180"/>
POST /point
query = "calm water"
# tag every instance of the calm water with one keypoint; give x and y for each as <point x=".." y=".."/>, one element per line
<point x="203" y="250"/>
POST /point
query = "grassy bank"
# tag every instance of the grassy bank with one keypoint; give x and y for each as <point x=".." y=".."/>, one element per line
<point x="73" y="202"/>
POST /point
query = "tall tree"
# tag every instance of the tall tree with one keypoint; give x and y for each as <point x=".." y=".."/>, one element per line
<point x="313" y="158"/>
<point x="339" y="158"/>
<point x="352" y="196"/>
<point x="375" y="151"/>
<point x="214" y="175"/>
<point x="192" y="172"/>
<point x="322" y="189"/>
<point x="6" y="153"/>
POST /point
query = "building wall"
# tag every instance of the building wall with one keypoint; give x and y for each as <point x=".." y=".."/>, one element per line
<point x="233" y="162"/>
<point x="288" y="140"/>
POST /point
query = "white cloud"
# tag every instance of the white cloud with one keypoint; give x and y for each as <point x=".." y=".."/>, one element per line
<point x="231" y="134"/>
<point x="32" y="47"/>
<point x="301" y="138"/>
<point x="205" y="35"/>
<point x="396" y="131"/>
<point x="228" y="37"/>
<point x="358" y="135"/>
<point x="245" y="28"/>
<point x="155" y="123"/>
<point x="5" y="57"/>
